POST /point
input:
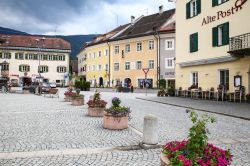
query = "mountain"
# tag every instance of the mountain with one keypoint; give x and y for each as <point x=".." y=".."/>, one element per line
<point x="76" y="41"/>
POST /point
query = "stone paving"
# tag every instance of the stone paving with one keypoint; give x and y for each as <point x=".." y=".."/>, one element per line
<point x="43" y="131"/>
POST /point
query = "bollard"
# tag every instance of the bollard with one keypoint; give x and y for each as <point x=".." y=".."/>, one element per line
<point x="150" y="130"/>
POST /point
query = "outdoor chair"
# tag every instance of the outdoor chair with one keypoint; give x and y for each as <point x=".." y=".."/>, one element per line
<point x="179" y="92"/>
<point x="220" y="94"/>
<point x="238" y="95"/>
<point x="52" y="93"/>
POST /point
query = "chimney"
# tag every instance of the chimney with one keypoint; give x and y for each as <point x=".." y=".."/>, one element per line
<point x="132" y="20"/>
<point x="161" y="9"/>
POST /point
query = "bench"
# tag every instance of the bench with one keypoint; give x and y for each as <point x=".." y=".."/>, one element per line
<point x="52" y="93"/>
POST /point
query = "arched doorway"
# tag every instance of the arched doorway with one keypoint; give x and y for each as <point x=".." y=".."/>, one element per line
<point x="127" y="82"/>
<point x="101" y="82"/>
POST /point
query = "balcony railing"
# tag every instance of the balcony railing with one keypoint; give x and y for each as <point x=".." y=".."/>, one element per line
<point x="240" y="45"/>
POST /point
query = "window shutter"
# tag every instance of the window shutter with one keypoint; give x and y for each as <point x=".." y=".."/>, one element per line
<point x="188" y="10"/>
<point x="194" y="42"/>
<point x="215" y="36"/>
<point x="198" y="7"/>
<point x="214" y="3"/>
<point x="20" y="68"/>
<point x="225" y="38"/>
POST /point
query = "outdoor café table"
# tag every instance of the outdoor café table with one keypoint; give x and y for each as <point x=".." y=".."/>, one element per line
<point x="194" y="92"/>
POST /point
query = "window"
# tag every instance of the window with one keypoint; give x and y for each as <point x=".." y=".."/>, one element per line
<point x="88" y="68"/>
<point x="116" y="66"/>
<point x="224" y="78"/>
<point x="169" y="63"/>
<point x="61" y="58"/>
<point x="61" y="69"/>
<point x="89" y="55"/>
<point x="151" y="64"/>
<point x="94" y="55"/>
<point x="138" y="65"/>
<point x="99" y="67"/>
<point x="5" y="66"/>
<point x="221" y="35"/>
<point x="138" y="46"/>
<point x="1" y="55"/>
<point x="99" y="53"/>
<point x="194" y="42"/>
<point x="106" y="52"/>
<point x="19" y="56"/>
<point x="127" y="65"/>
<point x="43" y="69"/>
<point x="45" y="57"/>
<point x="218" y="2"/>
<point x="194" y="78"/>
<point x="55" y="57"/>
<point x="106" y="67"/>
<point x="127" y="48"/>
<point x="24" y="68"/>
<point x="151" y="45"/>
<point x="116" y="49"/>
<point x="93" y="68"/>
<point x="169" y="44"/>
<point x="5" y="55"/>
<point x="193" y="8"/>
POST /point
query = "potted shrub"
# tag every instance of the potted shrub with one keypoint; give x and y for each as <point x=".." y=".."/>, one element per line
<point x="68" y="94"/>
<point x="116" y="117"/>
<point x="162" y="93"/>
<point x="248" y="98"/>
<point x="96" y="106"/>
<point x="196" y="150"/>
<point x="77" y="98"/>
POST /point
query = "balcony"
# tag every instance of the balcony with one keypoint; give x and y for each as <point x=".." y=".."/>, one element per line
<point x="240" y="45"/>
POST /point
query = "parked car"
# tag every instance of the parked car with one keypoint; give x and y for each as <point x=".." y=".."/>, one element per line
<point x="32" y="87"/>
<point x="45" y="87"/>
<point x="52" y="85"/>
<point x="14" y="82"/>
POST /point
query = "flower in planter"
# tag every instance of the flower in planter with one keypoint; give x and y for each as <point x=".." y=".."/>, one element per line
<point x="78" y="91"/>
<point x="69" y="93"/>
<point x="96" y="101"/>
<point x="196" y="150"/>
<point x="117" y="110"/>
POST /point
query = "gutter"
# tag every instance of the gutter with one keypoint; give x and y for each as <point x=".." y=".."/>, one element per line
<point x="158" y="56"/>
<point x="109" y="62"/>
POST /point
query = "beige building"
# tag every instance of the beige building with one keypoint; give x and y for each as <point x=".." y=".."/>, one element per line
<point x="213" y="44"/>
<point x="27" y="58"/>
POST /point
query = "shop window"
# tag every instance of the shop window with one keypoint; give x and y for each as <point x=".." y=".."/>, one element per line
<point x="194" y="42"/>
<point x="221" y="35"/>
<point x="224" y="78"/>
<point x="193" y="8"/>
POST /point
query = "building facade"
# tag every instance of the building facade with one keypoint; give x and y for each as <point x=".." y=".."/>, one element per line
<point x="26" y="58"/>
<point x="212" y="44"/>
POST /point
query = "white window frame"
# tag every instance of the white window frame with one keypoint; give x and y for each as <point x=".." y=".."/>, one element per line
<point x="221" y="1"/>
<point x="127" y="65"/>
<point x="151" y="45"/>
<point x="127" y="48"/>
<point x="167" y="41"/>
<point x="93" y="67"/>
<point x="139" y="46"/>
<point x="220" y="35"/>
<point x="99" y="67"/>
<point x="116" y="64"/>
<point x="138" y="65"/>
<point x="117" y="49"/>
<point x="193" y="8"/>
<point x="150" y="63"/>
<point x="106" y="52"/>
<point x="194" y="78"/>
<point x="106" y="67"/>
<point x="99" y="53"/>
<point x="167" y="62"/>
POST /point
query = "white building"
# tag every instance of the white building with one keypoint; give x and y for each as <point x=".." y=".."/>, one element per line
<point x="21" y="56"/>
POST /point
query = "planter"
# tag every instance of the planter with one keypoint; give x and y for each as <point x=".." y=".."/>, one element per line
<point x="78" y="101"/>
<point x="25" y="91"/>
<point x="96" y="111"/>
<point x="164" y="160"/>
<point x="114" y="123"/>
<point x="67" y="98"/>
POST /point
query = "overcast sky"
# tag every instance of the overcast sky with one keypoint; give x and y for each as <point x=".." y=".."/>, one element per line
<point x="72" y="17"/>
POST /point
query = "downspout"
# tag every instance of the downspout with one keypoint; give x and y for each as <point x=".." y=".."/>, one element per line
<point x="157" y="37"/>
<point x="109" y="63"/>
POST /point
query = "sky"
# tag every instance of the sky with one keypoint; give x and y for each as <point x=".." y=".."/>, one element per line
<point x="74" y="17"/>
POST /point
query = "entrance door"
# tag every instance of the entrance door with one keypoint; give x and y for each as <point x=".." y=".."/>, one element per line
<point x="26" y="81"/>
<point x="127" y="82"/>
<point x="101" y="82"/>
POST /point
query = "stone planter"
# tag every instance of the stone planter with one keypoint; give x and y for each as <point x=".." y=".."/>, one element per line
<point x="164" y="160"/>
<point x="77" y="101"/>
<point x="96" y="111"/>
<point x="67" y="98"/>
<point x="114" y="123"/>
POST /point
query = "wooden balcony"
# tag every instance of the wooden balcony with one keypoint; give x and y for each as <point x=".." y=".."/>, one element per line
<point x="240" y="45"/>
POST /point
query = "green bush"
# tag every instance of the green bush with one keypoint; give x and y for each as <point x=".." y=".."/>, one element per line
<point x="83" y="85"/>
<point x="171" y="91"/>
<point x="162" y="84"/>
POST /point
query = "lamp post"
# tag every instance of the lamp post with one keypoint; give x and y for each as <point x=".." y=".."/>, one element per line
<point x="39" y="61"/>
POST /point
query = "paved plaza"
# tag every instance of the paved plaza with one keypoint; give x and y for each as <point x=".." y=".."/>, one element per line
<point x="47" y="131"/>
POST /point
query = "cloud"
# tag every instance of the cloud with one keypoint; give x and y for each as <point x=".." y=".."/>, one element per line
<point x="73" y="16"/>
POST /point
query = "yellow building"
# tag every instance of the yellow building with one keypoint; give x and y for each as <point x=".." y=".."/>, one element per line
<point x="136" y="48"/>
<point x="213" y="44"/>
<point x="94" y="59"/>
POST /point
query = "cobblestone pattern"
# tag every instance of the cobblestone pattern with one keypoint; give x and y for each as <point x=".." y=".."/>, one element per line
<point x="116" y="158"/>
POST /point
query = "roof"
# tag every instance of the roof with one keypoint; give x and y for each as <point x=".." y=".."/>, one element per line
<point x="105" y="37"/>
<point x="147" y="25"/>
<point x="34" y="41"/>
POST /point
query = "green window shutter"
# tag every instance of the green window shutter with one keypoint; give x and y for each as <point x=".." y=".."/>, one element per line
<point x="215" y="36"/>
<point x="20" y="68"/>
<point x="214" y="3"/>
<point x="16" y="56"/>
<point x="198" y="7"/>
<point x="188" y="10"/>
<point x="194" y="42"/>
<point x="225" y="38"/>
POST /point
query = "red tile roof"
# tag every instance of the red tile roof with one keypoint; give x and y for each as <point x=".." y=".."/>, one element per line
<point x="33" y="41"/>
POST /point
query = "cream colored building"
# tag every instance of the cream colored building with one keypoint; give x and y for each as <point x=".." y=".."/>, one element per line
<point x="21" y="56"/>
<point x="213" y="44"/>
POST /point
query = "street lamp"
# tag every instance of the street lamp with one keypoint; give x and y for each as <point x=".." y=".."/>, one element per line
<point x="39" y="59"/>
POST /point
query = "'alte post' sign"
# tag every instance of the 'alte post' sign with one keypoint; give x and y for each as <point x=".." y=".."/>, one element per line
<point x="222" y="14"/>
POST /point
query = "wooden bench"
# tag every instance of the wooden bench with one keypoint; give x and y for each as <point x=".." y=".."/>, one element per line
<point x="52" y="93"/>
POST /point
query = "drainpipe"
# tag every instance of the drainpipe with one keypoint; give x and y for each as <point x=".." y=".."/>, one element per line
<point x="109" y="63"/>
<point x="157" y="37"/>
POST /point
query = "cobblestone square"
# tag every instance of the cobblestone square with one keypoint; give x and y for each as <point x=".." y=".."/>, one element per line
<point x="35" y="130"/>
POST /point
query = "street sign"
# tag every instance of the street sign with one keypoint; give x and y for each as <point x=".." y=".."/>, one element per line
<point x="145" y="70"/>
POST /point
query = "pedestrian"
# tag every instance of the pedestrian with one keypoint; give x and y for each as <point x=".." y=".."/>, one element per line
<point x="132" y="88"/>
